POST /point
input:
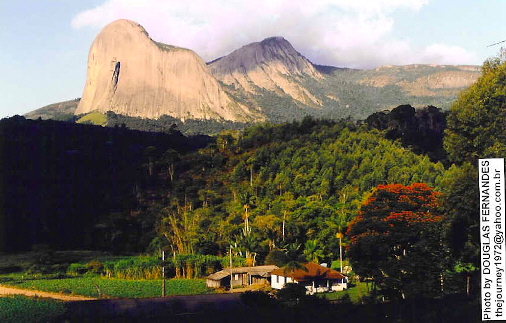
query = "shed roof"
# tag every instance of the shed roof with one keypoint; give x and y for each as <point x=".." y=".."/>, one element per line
<point x="263" y="271"/>
<point x="314" y="271"/>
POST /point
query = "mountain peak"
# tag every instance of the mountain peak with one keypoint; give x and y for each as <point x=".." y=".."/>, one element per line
<point x="256" y="54"/>
<point x="271" y="64"/>
<point x="278" y="42"/>
<point x="274" y="39"/>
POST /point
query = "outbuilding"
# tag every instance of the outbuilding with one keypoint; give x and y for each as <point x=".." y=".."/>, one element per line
<point x="241" y="276"/>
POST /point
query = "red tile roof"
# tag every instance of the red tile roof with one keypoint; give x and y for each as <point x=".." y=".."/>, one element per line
<point x="314" y="271"/>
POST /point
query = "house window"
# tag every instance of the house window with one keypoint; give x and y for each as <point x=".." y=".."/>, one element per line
<point x="277" y="279"/>
<point x="236" y="277"/>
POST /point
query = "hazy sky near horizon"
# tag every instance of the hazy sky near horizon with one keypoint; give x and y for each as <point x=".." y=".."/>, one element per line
<point x="44" y="44"/>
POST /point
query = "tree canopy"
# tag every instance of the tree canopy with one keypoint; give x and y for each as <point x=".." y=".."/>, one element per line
<point x="477" y="119"/>
<point x="395" y="240"/>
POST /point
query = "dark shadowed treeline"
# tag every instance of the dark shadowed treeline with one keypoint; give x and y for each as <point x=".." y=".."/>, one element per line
<point x="58" y="179"/>
<point x="168" y="123"/>
<point x="422" y="130"/>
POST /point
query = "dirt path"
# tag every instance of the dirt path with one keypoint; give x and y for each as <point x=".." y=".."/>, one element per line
<point x="32" y="293"/>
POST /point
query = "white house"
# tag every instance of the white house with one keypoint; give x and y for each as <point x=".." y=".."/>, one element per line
<point x="316" y="279"/>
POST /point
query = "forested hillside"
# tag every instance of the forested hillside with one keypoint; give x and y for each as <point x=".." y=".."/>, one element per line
<point x="99" y="187"/>
<point x="59" y="179"/>
<point x="279" y="184"/>
<point x="269" y="193"/>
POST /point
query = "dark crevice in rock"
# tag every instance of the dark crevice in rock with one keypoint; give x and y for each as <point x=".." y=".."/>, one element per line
<point x="115" y="75"/>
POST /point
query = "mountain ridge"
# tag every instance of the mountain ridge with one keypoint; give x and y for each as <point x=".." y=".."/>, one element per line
<point x="131" y="74"/>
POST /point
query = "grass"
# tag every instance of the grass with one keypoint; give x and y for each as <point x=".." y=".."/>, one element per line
<point x="356" y="293"/>
<point x="24" y="309"/>
<point x="87" y="286"/>
<point x="95" y="118"/>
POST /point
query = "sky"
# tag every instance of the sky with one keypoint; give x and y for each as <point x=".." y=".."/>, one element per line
<point x="44" y="44"/>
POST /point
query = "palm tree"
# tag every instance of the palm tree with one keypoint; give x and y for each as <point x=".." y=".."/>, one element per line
<point x="295" y="259"/>
<point x="343" y="218"/>
<point x="312" y="251"/>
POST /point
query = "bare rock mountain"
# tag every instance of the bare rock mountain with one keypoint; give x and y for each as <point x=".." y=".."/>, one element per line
<point x="130" y="74"/>
<point x="272" y="64"/>
<point x="133" y="75"/>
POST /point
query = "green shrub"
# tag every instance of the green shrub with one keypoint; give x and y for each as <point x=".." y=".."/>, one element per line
<point x="77" y="269"/>
<point x="276" y="257"/>
<point x="291" y="294"/>
<point x="95" y="267"/>
<point x="39" y="269"/>
<point x="109" y="268"/>
<point x="136" y="268"/>
<point x="345" y="299"/>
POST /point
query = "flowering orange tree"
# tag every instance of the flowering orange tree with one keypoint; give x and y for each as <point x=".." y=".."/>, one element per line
<point x="395" y="240"/>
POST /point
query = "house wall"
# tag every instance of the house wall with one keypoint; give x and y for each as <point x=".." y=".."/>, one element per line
<point x="259" y="280"/>
<point x="278" y="282"/>
<point x="323" y="286"/>
<point x="239" y="279"/>
<point x="319" y="286"/>
<point x="339" y="285"/>
<point x="213" y="283"/>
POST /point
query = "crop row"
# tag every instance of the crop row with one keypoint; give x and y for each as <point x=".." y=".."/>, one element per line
<point x="23" y="309"/>
<point x="105" y="287"/>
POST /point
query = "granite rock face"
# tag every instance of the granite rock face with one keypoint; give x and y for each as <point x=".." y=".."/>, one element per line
<point x="133" y="75"/>
<point x="272" y="64"/>
<point x="130" y="74"/>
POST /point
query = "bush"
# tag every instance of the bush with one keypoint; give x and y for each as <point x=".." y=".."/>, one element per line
<point x="345" y="299"/>
<point x="313" y="301"/>
<point x="369" y="299"/>
<point x="276" y="257"/>
<point x="39" y="269"/>
<point x="109" y="268"/>
<point x="258" y="299"/>
<point x="95" y="267"/>
<point x="77" y="269"/>
<point x="291" y="293"/>
<point x="137" y="268"/>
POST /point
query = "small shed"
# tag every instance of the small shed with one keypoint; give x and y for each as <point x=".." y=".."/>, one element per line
<point x="241" y="276"/>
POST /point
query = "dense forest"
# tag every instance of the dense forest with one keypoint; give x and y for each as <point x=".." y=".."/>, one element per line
<point x="58" y="179"/>
<point x="268" y="188"/>
<point x="396" y="194"/>
<point x="54" y="172"/>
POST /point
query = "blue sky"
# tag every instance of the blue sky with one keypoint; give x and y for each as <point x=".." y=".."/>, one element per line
<point x="44" y="44"/>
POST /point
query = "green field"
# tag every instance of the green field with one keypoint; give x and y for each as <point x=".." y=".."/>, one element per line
<point x="87" y="286"/>
<point x="95" y="118"/>
<point x="356" y="293"/>
<point x="24" y="309"/>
